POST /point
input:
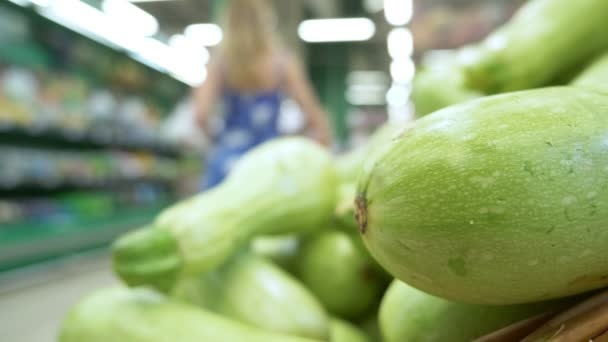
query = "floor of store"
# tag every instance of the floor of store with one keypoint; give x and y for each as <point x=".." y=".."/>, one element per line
<point x="34" y="300"/>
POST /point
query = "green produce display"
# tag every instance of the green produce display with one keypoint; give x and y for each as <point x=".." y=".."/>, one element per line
<point x="371" y="326"/>
<point x="407" y="314"/>
<point x="437" y="87"/>
<point x="138" y="315"/>
<point x="342" y="331"/>
<point x="284" y="186"/>
<point x="500" y="200"/>
<point x="282" y="250"/>
<point x="544" y="40"/>
<point x="349" y="165"/>
<point x="345" y="210"/>
<point x="341" y="274"/>
<point x="595" y="76"/>
<point x="252" y="290"/>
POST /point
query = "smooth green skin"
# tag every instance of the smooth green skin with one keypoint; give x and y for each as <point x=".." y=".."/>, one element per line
<point x="340" y="273"/>
<point x="348" y="165"/>
<point x="594" y="76"/>
<point x="153" y="254"/>
<point x="436" y="88"/>
<point x="371" y="326"/>
<point x="407" y="314"/>
<point x="284" y="186"/>
<point x="500" y="200"/>
<point x="282" y="250"/>
<point x="254" y="291"/>
<point x="342" y="331"/>
<point x="544" y="39"/>
<point x="142" y="315"/>
<point x="345" y="210"/>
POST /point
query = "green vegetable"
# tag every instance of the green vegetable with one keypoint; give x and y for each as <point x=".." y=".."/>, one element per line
<point x="546" y="38"/>
<point x="342" y="331"/>
<point x="438" y="84"/>
<point x="595" y="76"/>
<point x="282" y="250"/>
<point x="284" y="186"/>
<point x="138" y="315"/>
<point x="500" y="200"/>
<point x="252" y="290"/>
<point x="407" y="314"/>
<point x="341" y="274"/>
<point x="345" y="210"/>
<point x="349" y="165"/>
<point x="371" y="327"/>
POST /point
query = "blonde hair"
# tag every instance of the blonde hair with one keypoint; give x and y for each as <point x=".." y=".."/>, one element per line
<point x="249" y="35"/>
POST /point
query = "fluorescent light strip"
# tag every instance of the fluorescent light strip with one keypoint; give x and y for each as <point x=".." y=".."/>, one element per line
<point x="205" y="34"/>
<point x="130" y="17"/>
<point x="400" y="43"/>
<point x="402" y="71"/>
<point x="336" y="30"/>
<point x="367" y="77"/>
<point x="398" y="95"/>
<point x="398" y="12"/>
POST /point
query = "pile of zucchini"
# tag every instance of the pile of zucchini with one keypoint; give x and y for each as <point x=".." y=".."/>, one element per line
<point x="490" y="210"/>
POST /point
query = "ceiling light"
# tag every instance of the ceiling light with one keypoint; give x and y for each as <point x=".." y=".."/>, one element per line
<point x="336" y="30"/>
<point x="400" y="43"/>
<point x="366" y="77"/>
<point x="205" y="34"/>
<point x="185" y="46"/>
<point x="398" y="12"/>
<point x="87" y="20"/>
<point x="155" y="52"/>
<point x="398" y="95"/>
<point x="402" y="71"/>
<point x="130" y="17"/>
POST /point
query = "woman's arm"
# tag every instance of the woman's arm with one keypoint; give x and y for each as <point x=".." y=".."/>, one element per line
<point x="300" y="89"/>
<point x="206" y="95"/>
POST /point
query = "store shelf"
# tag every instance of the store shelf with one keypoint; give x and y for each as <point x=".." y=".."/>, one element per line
<point x="28" y="243"/>
<point x="57" y="138"/>
<point x="75" y="185"/>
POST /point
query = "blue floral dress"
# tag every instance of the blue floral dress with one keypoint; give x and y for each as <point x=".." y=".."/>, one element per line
<point x="248" y="120"/>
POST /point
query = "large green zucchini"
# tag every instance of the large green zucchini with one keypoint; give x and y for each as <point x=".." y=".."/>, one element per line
<point x="499" y="200"/>
<point x="407" y="314"/>
<point x="284" y="186"/>
<point x="142" y="315"/>
<point x="544" y="40"/>
<point x="252" y="290"/>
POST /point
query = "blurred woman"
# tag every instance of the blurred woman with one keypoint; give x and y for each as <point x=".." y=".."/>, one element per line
<point x="249" y="75"/>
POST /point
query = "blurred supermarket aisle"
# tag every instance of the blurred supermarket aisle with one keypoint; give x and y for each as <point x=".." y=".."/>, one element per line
<point x="33" y="302"/>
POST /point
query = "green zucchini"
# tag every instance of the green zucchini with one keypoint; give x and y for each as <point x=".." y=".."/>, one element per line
<point x="341" y="274"/>
<point x="143" y="315"/>
<point x="254" y="291"/>
<point x="284" y="186"/>
<point x="500" y="200"/>
<point x="439" y="84"/>
<point x="545" y="39"/>
<point x="371" y="326"/>
<point x="348" y="165"/>
<point x="282" y="250"/>
<point x="345" y="209"/>
<point x="407" y="314"/>
<point x="595" y="76"/>
<point x="342" y="331"/>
